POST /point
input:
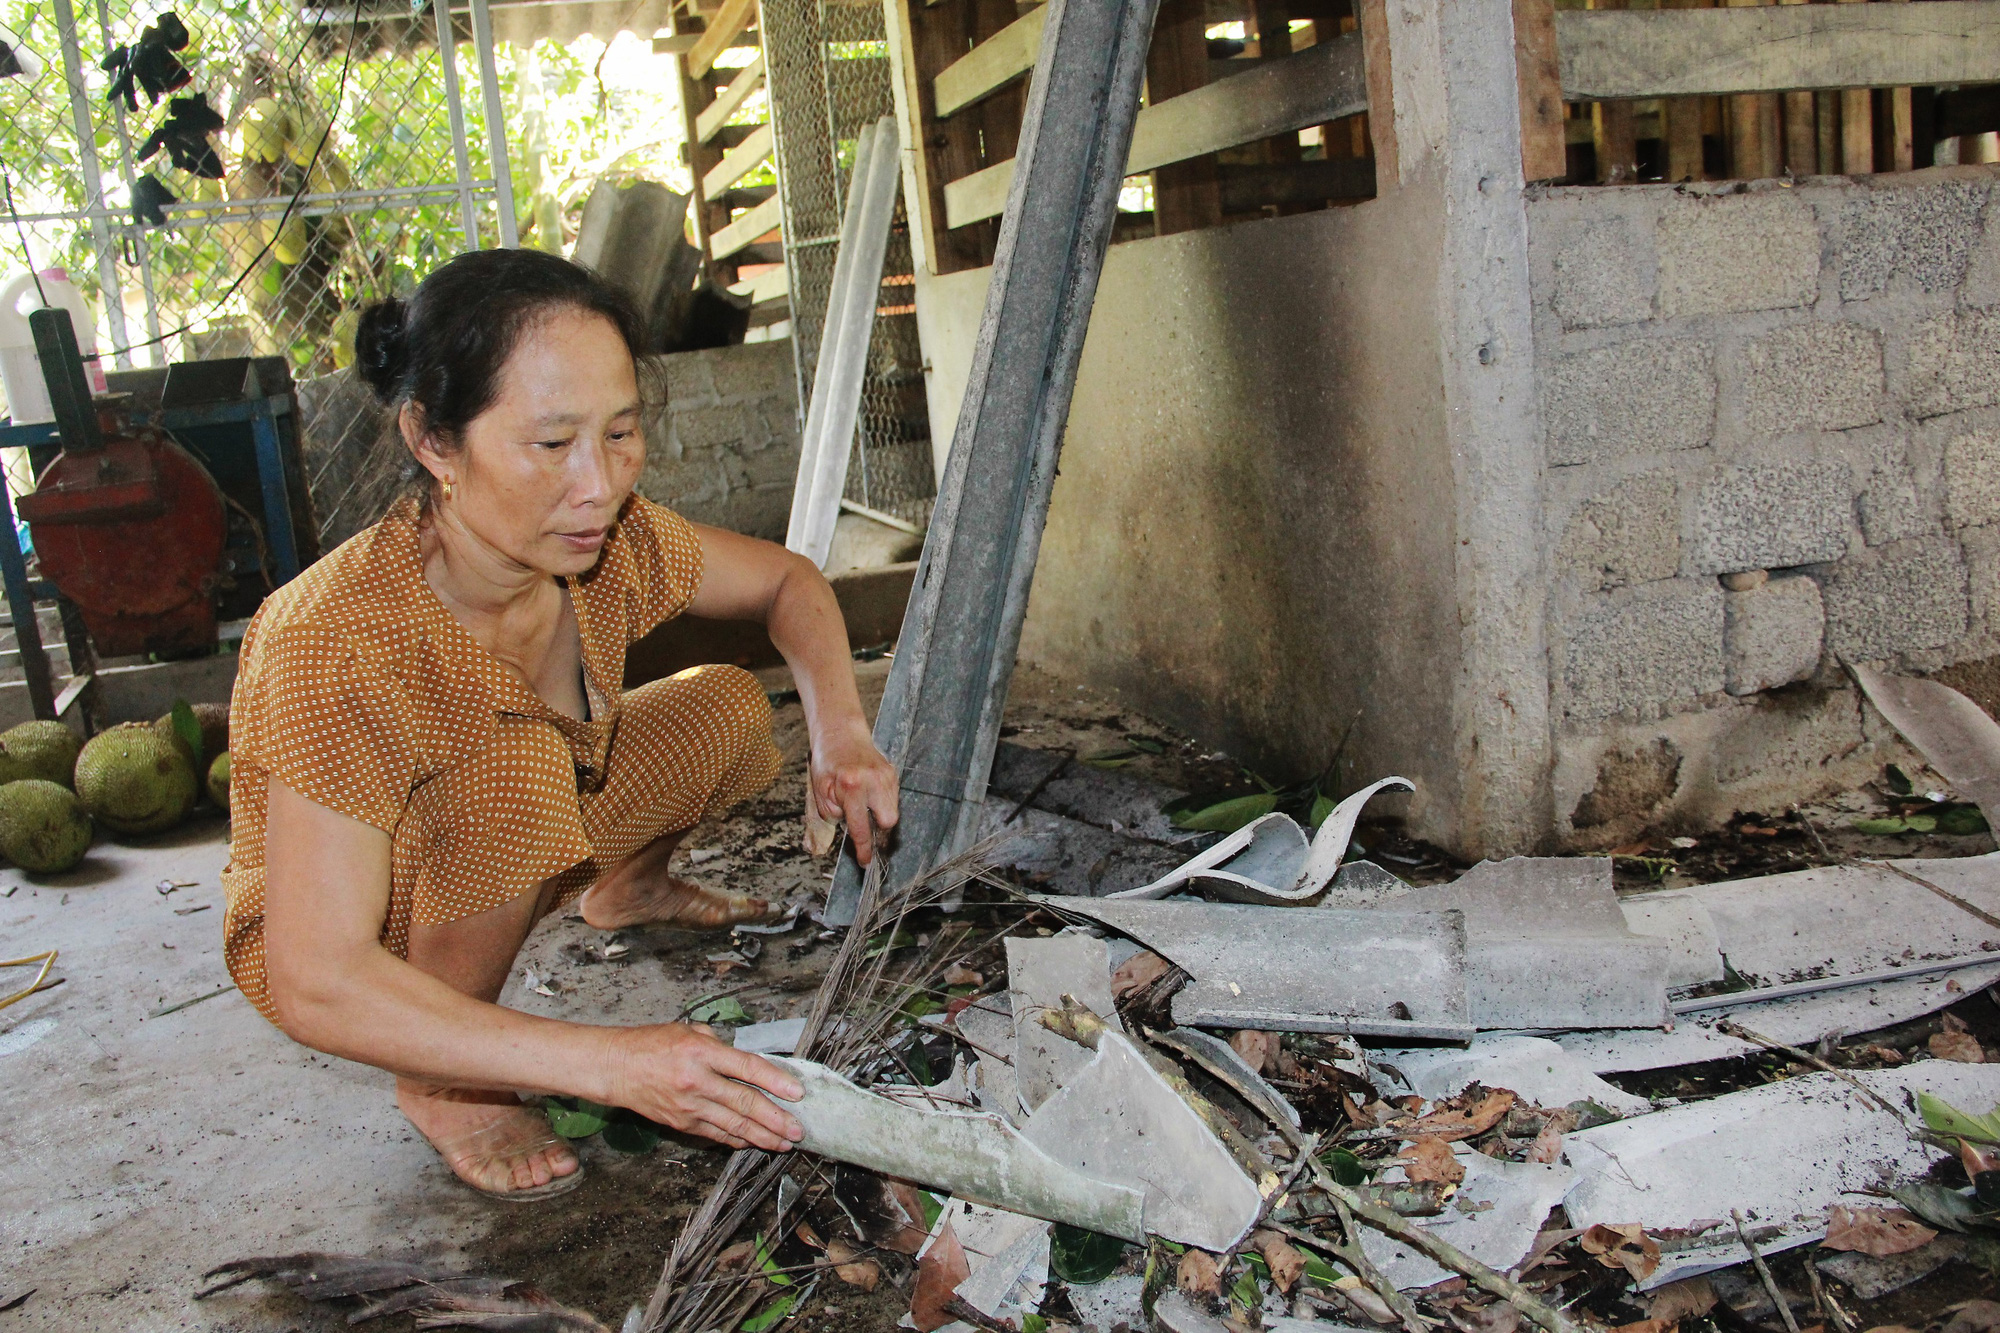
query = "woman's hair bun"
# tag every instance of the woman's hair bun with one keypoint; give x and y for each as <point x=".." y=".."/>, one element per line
<point x="381" y="348"/>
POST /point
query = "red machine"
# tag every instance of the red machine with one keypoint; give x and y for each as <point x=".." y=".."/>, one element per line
<point x="132" y="532"/>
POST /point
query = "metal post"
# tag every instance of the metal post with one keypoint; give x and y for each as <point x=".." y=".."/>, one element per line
<point x="496" y="124"/>
<point x="93" y="175"/>
<point x="140" y="237"/>
<point x="461" y="151"/>
<point x="277" y="496"/>
<point x="21" y="608"/>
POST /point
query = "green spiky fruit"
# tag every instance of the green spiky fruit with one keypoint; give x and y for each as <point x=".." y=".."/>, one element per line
<point x="214" y="722"/>
<point x="45" y="750"/>
<point x="43" y="826"/>
<point x="266" y="127"/>
<point x="218" y="782"/>
<point x="134" y="781"/>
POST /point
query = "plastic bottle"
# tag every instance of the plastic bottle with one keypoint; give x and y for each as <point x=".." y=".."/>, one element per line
<point x="20" y="368"/>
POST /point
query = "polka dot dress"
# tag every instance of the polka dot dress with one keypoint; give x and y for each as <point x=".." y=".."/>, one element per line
<point x="361" y="691"/>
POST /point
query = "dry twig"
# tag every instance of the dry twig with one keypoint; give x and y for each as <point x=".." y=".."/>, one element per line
<point x="1764" y="1274"/>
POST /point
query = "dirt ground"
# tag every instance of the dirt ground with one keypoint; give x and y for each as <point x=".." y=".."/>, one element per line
<point x="145" y="1148"/>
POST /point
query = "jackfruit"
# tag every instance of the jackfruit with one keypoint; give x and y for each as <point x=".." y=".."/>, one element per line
<point x="133" y="780"/>
<point x="45" y="750"/>
<point x="214" y="722"/>
<point x="218" y="782"/>
<point x="289" y="245"/>
<point x="43" y="826"/>
<point x="266" y="127"/>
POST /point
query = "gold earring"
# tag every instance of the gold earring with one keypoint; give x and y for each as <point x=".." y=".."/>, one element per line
<point x="447" y="488"/>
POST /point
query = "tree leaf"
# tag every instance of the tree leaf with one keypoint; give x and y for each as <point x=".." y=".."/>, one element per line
<point x="1116" y="756"/>
<point x="1146" y="743"/>
<point x="1229" y="815"/>
<point x="1935" y="1204"/>
<point x="1345" y="1167"/>
<point x="1921" y="823"/>
<point x="769" y="1317"/>
<point x="631" y="1136"/>
<point x="1879" y="827"/>
<point x="1322" y="806"/>
<point x="1945" y="1118"/>
<point x="578" y="1122"/>
<point x="188" y="728"/>
<point x="1083" y="1257"/>
<point x="1961" y="819"/>
<point x="1246" y="1292"/>
<point x="725" y="1010"/>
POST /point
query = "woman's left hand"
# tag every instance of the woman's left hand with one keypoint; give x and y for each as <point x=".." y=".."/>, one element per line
<point x="851" y="781"/>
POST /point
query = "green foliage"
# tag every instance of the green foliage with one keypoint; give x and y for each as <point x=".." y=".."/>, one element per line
<point x="1345" y="1168"/>
<point x="1080" y="1256"/>
<point x="727" y="1009"/>
<point x="1227" y="816"/>
<point x="1945" y="1118"/>
<point x="577" y="1119"/>
<point x="189" y="730"/>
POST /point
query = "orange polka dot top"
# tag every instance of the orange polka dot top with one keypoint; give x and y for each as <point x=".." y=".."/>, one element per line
<point x="357" y="687"/>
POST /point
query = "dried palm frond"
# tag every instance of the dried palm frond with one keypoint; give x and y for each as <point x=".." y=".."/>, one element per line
<point x="846" y="1029"/>
<point x="439" y="1297"/>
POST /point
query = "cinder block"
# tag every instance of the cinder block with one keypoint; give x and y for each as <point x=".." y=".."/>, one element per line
<point x="1982" y="567"/>
<point x="1890" y="509"/>
<point x="1773" y="516"/>
<point x="1720" y="253"/>
<point x="1982" y="271"/>
<point x="1628" y="534"/>
<point x="754" y="370"/>
<point x="1601" y="279"/>
<point x="1972" y="480"/>
<point x="1812" y="376"/>
<point x="1894" y="599"/>
<point x="1658" y="643"/>
<point x="687" y="378"/>
<point x="1925" y="230"/>
<point x="704" y="428"/>
<point x="1955" y="363"/>
<point x="1771" y="634"/>
<point x="1649" y="395"/>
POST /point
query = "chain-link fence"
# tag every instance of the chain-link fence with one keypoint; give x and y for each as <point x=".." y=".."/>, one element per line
<point x="828" y="63"/>
<point x="240" y="177"/>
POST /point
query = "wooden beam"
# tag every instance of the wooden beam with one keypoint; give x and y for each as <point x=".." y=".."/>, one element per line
<point x="1637" y="53"/>
<point x="724" y="106"/>
<point x="990" y="66"/>
<point x="773" y="284"/>
<point x="1186" y="195"/>
<point x="1374" y="18"/>
<point x="747" y="228"/>
<point x="1321" y="83"/>
<point x="1539" y="73"/>
<point x="931" y="38"/>
<point x="738" y="162"/>
<point x="730" y="23"/>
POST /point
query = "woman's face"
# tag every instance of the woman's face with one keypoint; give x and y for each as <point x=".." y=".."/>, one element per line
<point x="542" y="472"/>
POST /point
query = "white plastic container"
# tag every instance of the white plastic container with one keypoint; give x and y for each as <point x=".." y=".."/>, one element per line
<point x="20" y="368"/>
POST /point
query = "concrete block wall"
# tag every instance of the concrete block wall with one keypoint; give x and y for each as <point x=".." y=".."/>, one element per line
<point x="1771" y="420"/>
<point x="725" y="450"/>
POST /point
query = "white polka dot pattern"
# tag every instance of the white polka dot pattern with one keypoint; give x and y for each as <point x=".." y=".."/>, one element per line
<point x="361" y="691"/>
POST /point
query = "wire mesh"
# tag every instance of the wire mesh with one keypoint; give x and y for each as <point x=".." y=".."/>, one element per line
<point x="829" y="75"/>
<point x="327" y="176"/>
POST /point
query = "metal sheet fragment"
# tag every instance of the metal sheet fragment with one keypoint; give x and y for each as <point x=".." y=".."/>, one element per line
<point x="1782" y="1153"/>
<point x="1325" y="970"/>
<point x="1220" y="1059"/>
<point x="1494" y="1216"/>
<point x="1119" y="1121"/>
<point x="971" y="1155"/>
<point x="1954" y="734"/>
<point x="1530" y="1067"/>
<point x="1040" y="972"/>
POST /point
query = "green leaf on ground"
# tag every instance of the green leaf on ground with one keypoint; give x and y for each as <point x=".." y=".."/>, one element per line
<point x="1881" y="828"/>
<point x="1945" y="1118"/>
<point x="1961" y="819"/>
<point x="188" y="728"/>
<point x="1345" y="1167"/>
<point x="932" y="1206"/>
<point x="769" y="1264"/>
<point x="631" y="1136"/>
<point x="1146" y="743"/>
<point x="1080" y="1256"/>
<point x="1246" y="1292"/>
<point x="1229" y="815"/>
<point x="770" y="1316"/>
<point x="1116" y="756"/>
<point x="724" y="1010"/>
<point x="579" y="1121"/>
<point x="1938" y="1206"/>
<point x="1322" y="806"/>
<point x="1319" y="1270"/>
<point x="1034" y="1323"/>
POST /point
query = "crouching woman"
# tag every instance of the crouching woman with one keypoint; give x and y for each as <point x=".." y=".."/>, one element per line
<point x="432" y="749"/>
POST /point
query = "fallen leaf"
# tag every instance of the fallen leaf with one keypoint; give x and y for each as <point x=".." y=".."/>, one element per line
<point x="819" y="833"/>
<point x="1689" y="1298"/>
<point x="1281" y="1257"/>
<point x="1198" y="1275"/>
<point x="958" y="974"/>
<point x="1453" y="1123"/>
<point x="1548" y="1144"/>
<point x="1880" y="1232"/>
<point x="1256" y="1048"/>
<point x="1545" y="1247"/>
<point x="1646" y="1326"/>
<point x="1497" y="1317"/>
<point x="737" y="1257"/>
<point x="917" y="1231"/>
<point x="1960" y="1046"/>
<point x="851" y="1266"/>
<point x="1365" y="1301"/>
<point x="1625" y="1246"/>
<point x="1892" y="1328"/>
<point x="1140" y="970"/>
<point x="1974" y="1317"/>
<point x="1430" y="1159"/>
<point x="939" y="1272"/>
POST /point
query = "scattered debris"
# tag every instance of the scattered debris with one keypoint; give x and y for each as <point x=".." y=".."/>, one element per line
<point x="1532" y="1067"/>
<point x="436" y="1296"/>
<point x="190" y="911"/>
<point x="1954" y="734"/>
<point x="779" y="1037"/>
<point x="1044" y="975"/>
<point x="166" y="1009"/>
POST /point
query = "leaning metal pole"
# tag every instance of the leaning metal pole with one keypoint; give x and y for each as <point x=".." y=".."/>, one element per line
<point x="940" y="716"/>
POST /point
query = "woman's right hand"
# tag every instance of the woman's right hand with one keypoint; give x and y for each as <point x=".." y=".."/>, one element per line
<point x="680" y="1075"/>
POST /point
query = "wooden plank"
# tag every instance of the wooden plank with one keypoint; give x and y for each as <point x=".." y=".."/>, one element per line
<point x="1680" y="52"/>
<point x="1187" y="196"/>
<point x="946" y="149"/>
<point x="1681" y="122"/>
<point x="730" y="22"/>
<point x="738" y="162"/>
<point x="1321" y="83"/>
<point x="1374" y="16"/>
<point x="724" y="106"/>
<point x="773" y="284"/>
<point x="996" y="62"/>
<point x="1539" y="73"/>
<point x="1324" y="82"/>
<point x="1857" y="121"/>
<point x="747" y="228"/>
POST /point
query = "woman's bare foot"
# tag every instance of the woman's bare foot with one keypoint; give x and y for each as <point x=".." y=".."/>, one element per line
<point x="488" y="1139"/>
<point x="638" y="891"/>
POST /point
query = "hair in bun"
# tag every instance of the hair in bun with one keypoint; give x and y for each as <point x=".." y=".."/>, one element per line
<point x="381" y="348"/>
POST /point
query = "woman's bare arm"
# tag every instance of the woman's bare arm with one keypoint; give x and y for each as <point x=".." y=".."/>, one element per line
<point x="339" y="991"/>
<point x="747" y="579"/>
